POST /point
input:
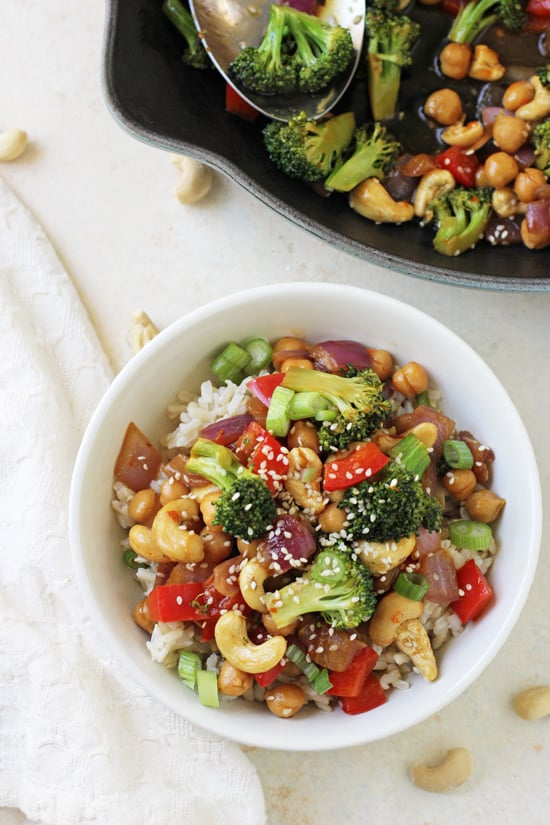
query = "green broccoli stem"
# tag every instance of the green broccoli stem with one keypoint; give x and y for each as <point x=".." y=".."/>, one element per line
<point x="215" y="462"/>
<point x="383" y="82"/>
<point x="181" y="18"/>
<point x="412" y="454"/>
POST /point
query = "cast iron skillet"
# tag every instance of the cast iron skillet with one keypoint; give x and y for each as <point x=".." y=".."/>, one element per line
<point x="159" y="100"/>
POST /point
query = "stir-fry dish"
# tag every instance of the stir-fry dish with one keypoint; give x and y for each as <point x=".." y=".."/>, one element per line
<point x="312" y="529"/>
<point x="470" y="163"/>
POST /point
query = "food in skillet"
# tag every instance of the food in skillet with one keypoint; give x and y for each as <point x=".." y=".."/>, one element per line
<point x="313" y="530"/>
<point x="484" y="174"/>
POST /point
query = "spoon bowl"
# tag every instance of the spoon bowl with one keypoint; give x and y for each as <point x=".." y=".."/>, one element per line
<point x="228" y="25"/>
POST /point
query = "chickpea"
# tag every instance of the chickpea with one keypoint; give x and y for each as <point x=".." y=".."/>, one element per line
<point x="459" y="483"/>
<point x="217" y="545"/>
<point x="248" y="549"/>
<point x="332" y="519"/>
<point x="273" y="630"/>
<point x="303" y="434"/>
<point x="208" y="509"/>
<point x="444" y="106"/>
<point x="232" y="681"/>
<point x="481" y="177"/>
<point x="509" y="133"/>
<point x="143" y="506"/>
<point x="285" y="700"/>
<point x="534" y="239"/>
<point x="381" y="363"/>
<point x="172" y="489"/>
<point x="518" y="94"/>
<point x="410" y="380"/>
<point x="528" y="182"/>
<point x="454" y="60"/>
<point x="142" y="617"/>
<point x="484" y="506"/>
<point x="302" y="363"/>
<point x="288" y="343"/>
<point x="500" y="169"/>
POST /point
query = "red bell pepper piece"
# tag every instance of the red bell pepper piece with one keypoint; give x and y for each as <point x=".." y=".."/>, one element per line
<point x="237" y="105"/>
<point x="538" y="8"/>
<point x="210" y="606"/>
<point x="349" y="682"/>
<point x="362" y="463"/>
<point x="476" y="592"/>
<point x="371" y="696"/>
<point x="462" y="167"/>
<point x="263" y="386"/>
<point x="269" y="676"/>
<point x="175" y="602"/>
<point x="264" y="455"/>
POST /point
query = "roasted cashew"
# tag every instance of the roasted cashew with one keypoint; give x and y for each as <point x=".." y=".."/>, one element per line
<point x="455" y="769"/>
<point x="506" y="203"/>
<point x="372" y="200"/>
<point x="426" y="432"/>
<point x="235" y="646"/>
<point x="381" y="556"/>
<point x="533" y="703"/>
<point x="251" y="580"/>
<point x="303" y="480"/>
<point x="485" y="64"/>
<point x="539" y="107"/>
<point x="390" y="613"/>
<point x="173" y="533"/>
<point x="142" y="331"/>
<point x="143" y="543"/>
<point x="460" y="134"/>
<point x="412" y="638"/>
<point x="433" y="184"/>
<point x="195" y="180"/>
<point x="13" y="143"/>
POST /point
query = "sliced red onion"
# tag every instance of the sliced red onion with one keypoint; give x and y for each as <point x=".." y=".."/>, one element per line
<point x="288" y="545"/>
<point x="227" y="430"/>
<point x="333" y="356"/>
<point x="440" y="571"/>
<point x="525" y="156"/>
<point x="427" y="542"/>
<point x="490" y="113"/>
<point x="537" y="217"/>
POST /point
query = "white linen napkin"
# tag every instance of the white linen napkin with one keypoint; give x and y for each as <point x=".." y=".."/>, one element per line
<point x="80" y="743"/>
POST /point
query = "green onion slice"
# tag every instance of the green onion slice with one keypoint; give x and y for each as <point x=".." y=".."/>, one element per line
<point x="457" y="454"/>
<point x="412" y="585"/>
<point x="471" y="535"/>
<point x="278" y="419"/>
<point x="412" y="454"/>
<point x="189" y="664"/>
<point x="230" y="362"/>
<point x="207" y="688"/>
<point x="130" y="560"/>
<point x="260" y="352"/>
<point x="317" y="677"/>
<point x="307" y="405"/>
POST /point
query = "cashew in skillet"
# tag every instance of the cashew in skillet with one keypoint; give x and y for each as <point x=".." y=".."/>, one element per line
<point x="372" y="200"/>
<point x="251" y="580"/>
<point x="539" y="107"/>
<point x="485" y="64"/>
<point x="459" y="134"/>
<point x="195" y="180"/>
<point x="13" y="143"/>
<point x="455" y="769"/>
<point x="433" y="184"/>
<point x="235" y="646"/>
<point x="533" y="703"/>
<point x="303" y="480"/>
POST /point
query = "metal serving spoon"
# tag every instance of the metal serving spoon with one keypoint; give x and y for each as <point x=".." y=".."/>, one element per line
<point x="228" y="25"/>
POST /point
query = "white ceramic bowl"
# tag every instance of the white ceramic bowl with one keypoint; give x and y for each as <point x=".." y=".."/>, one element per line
<point x="179" y="357"/>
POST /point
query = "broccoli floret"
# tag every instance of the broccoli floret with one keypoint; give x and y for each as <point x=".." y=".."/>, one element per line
<point x="461" y="217"/>
<point x="246" y="507"/>
<point x="194" y="54"/>
<point x="392" y="505"/>
<point x="543" y="74"/>
<point x="541" y="140"/>
<point x="476" y="15"/>
<point x="337" y="585"/>
<point x="375" y="150"/>
<point x="308" y="150"/>
<point x="298" y="52"/>
<point x="390" y="38"/>
<point x="360" y="406"/>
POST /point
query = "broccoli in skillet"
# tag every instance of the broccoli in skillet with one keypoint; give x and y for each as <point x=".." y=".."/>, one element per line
<point x="461" y="217"/>
<point x="194" y="53"/>
<point x="476" y="15"/>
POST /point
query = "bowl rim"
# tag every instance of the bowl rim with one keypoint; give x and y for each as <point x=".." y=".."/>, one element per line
<point x="223" y="724"/>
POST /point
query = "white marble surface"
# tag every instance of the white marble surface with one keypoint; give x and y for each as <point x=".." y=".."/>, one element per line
<point x="107" y="203"/>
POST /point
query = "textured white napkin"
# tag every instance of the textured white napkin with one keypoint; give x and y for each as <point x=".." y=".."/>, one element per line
<point x="80" y="744"/>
